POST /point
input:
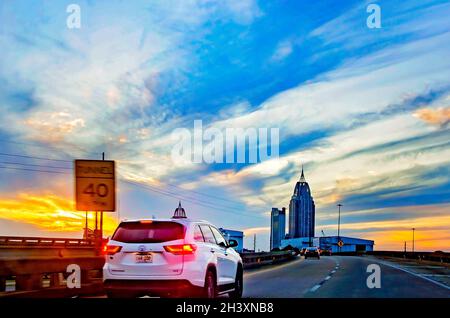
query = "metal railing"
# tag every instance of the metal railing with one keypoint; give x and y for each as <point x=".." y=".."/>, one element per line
<point x="44" y="241"/>
<point x="440" y="257"/>
<point x="37" y="266"/>
<point x="252" y="260"/>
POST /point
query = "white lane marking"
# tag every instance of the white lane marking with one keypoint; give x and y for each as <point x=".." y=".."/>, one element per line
<point x="333" y="271"/>
<point x="328" y="277"/>
<point x="315" y="288"/>
<point x="414" y="274"/>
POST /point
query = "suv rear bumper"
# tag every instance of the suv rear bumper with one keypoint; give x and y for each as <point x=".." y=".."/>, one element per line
<point x="150" y="287"/>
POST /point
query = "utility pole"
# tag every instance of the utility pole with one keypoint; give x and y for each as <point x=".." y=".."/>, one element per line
<point x="339" y="221"/>
<point x="254" y="242"/>
<point x="101" y="212"/>
<point x="86" y="227"/>
<point x="413" y="229"/>
<point x="339" y="226"/>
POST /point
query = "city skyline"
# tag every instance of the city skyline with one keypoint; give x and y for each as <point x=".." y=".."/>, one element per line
<point x="366" y="111"/>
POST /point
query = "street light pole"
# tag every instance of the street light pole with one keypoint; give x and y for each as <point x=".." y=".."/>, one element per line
<point x="339" y="226"/>
<point x="413" y="229"/>
<point x="339" y="221"/>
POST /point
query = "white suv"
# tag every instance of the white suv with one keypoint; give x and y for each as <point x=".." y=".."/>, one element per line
<point x="171" y="257"/>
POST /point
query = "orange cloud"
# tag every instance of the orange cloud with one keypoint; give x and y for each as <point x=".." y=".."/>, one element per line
<point x="50" y="213"/>
<point x="54" y="126"/>
<point x="255" y="230"/>
<point x="439" y="116"/>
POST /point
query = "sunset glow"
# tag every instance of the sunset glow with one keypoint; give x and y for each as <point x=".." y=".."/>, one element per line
<point x="50" y="213"/>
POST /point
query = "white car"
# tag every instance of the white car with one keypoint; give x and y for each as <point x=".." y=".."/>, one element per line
<point x="171" y="257"/>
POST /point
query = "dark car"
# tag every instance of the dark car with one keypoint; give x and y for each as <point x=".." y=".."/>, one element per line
<point x="312" y="252"/>
<point x="302" y="251"/>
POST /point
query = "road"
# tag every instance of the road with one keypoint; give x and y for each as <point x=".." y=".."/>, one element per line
<point x="336" y="276"/>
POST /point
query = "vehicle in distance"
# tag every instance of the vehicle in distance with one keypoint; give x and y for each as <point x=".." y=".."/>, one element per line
<point x="312" y="252"/>
<point x="175" y="257"/>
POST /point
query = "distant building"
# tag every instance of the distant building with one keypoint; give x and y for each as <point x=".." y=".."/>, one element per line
<point x="351" y="245"/>
<point x="179" y="212"/>
<point x="234" y="235"/>
<point x="299" y="242"/>
<point x="302" y="211"/>
<point x="277" y="227"/>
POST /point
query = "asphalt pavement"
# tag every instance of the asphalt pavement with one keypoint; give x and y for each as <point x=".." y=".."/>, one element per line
<point x="336" y="277"/>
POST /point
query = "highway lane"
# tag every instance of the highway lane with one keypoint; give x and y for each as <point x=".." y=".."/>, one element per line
<point x="290" y="280"/>
<point x="336" y="276"/>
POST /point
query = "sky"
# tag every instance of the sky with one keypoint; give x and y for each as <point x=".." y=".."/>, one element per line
<point x="365" y="111"/>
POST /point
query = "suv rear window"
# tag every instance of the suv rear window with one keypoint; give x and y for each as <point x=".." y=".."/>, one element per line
<point x="154" y="232"/>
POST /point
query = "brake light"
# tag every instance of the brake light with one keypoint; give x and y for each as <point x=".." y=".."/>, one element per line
<point x="146" y="222"/>
<point x="182" y="249"/>
<point x="111" y="249"/>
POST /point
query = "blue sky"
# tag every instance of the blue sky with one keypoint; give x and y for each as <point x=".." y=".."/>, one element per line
<point x="366" y="111"/>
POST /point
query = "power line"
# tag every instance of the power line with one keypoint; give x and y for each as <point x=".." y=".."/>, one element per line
<point x="45" y="146"/>
<point x="32" y="157"/>
<point x="33" y="165"/>
<point x="184" y="198"/>
<point x="196" y="192"/>
<point x="165" y="183"/>
<point x="34" y="170"/>
<point x="195" y="201"/>
<point x="194" y="198"/>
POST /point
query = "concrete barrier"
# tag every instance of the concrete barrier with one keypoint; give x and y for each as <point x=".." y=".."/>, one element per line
<point x="440" y="257"/>
<point x="252" y="260"/>
<point x="38" y="266"/>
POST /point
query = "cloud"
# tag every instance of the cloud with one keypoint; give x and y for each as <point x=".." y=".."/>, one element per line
<point x="243" y="12"/>
<point x="440" y="116"/>
<point x="49" y="213"/>
<point x="407" y="19"/>
<point x="256" y="230"/>
<point x="283" y="50"/>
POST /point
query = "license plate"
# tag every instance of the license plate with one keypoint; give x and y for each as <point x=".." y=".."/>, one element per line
<point x="144" y="258"/>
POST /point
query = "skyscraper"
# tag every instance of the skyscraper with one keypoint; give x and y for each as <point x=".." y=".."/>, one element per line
<point x="301" y="210"/>
<point x="277" y="227"/>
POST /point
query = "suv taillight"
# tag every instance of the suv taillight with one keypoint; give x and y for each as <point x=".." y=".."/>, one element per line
<point x="111" y="249"/>
<point x="181" y="249"/>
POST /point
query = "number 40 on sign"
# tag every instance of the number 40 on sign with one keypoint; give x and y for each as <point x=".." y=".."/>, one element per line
<point x="95" y="185"/>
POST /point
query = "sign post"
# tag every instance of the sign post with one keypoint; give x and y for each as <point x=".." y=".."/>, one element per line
<point x="95" y="188"/>
<point x="95" y="185"/>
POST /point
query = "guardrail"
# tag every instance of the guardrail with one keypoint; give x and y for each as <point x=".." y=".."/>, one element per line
<point x="43" y="241"/>
<point x="440" y="257"/>
<point x="37" y="267"/>
<point x="252" y="260"/>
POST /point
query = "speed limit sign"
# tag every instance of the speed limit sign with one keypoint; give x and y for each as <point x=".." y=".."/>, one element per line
<point x="95" y="185"/>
